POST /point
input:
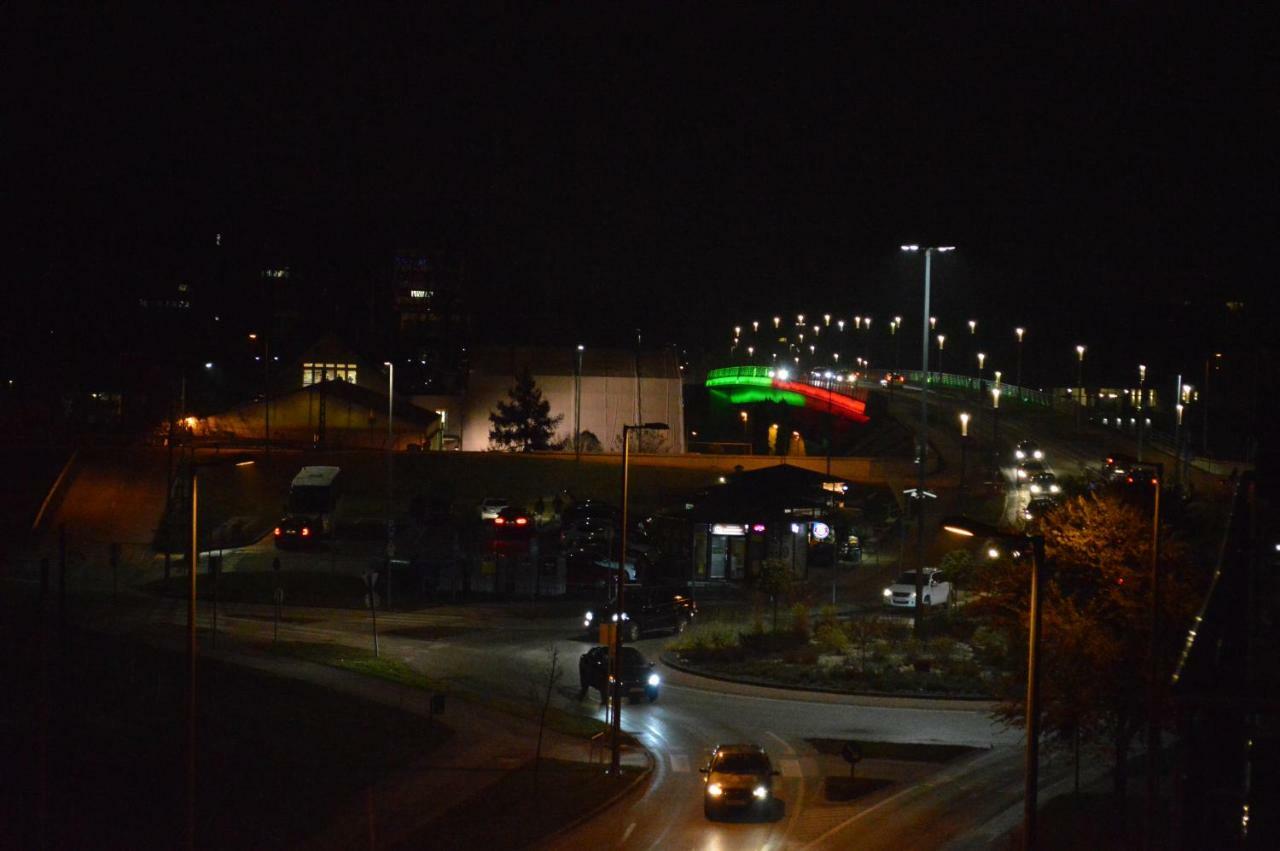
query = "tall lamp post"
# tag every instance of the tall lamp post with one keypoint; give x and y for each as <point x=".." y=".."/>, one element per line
<point x="1142" y="405"/>
<point x="1079" y="382"/>
<point x="982" y="359"/>
<point x="964" y="449"/>
<point x="615" y="667"/>
<point x="1018" y="373"/>
<point x="942" y="341"/>
<point x="1031" y="770"/>
<point x="923" y="441"/>
<point x="577" y="406"/>
<point x="391" y="529"/>
<point x="238" y="461"/>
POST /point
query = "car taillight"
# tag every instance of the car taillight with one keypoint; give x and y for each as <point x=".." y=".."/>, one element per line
<point x="498" y="521"/>
<point x="521" y="521"/>
<point x="277" y="531"/>
<point x="305" y="531"/>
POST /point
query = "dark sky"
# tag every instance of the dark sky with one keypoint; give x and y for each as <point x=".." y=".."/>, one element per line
<point x="594" y="168"/>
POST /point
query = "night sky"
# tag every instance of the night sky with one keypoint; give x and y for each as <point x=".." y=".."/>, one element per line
<point x="592" y="169"/>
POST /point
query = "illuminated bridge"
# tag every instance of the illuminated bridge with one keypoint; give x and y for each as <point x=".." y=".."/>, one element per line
<point x="743" y="385"/>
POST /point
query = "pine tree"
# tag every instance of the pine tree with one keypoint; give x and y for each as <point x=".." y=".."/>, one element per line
<point x="523" y="423"/>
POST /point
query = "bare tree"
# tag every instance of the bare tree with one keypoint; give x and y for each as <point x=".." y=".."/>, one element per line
<point x="544" y="687"/>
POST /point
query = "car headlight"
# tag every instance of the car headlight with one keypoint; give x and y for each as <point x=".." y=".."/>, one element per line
<point x="1054" y="489"/>
<point x="760" y="792"/>
<point x="1035" y="489"/>
<point x="1022" y="474"/>
<point x="615" y="618"/>
<point x="1039" y="454"/>
<point x="1019" y="454"/>
<point x="588" y="616"/>
<point x="714" y="790"/>
<point x="653" y="680"/>
<point x="888" y="592"/>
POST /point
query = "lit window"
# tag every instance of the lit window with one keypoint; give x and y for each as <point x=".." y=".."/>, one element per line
<point x="313" y="373"/>
<point x="417" y="293"/>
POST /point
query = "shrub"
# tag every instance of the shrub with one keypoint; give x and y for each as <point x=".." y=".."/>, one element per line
<point x="827" y="616"/>
<point x="800" y="621"/>
<point x="831" y="639"/>
<point x="706" y="636"/>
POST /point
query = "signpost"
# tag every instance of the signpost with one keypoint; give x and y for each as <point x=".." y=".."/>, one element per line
<point x="370" y="583"/>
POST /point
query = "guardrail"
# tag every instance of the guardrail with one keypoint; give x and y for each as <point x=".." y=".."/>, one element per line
<point x="1008" y="392"/>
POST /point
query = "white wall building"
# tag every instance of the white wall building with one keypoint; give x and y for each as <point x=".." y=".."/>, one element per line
<point x="615" y="387"/>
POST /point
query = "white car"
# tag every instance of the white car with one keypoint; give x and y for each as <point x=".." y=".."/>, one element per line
<point x="902" y="593"/>
<point x="491" y="507"/>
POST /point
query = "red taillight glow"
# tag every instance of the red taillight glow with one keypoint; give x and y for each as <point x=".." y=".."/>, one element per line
<point x="305" y="531"/>
<point x="498" y="521"/>
<point x="521" y="521"/>
<point x="1130" y="481"/>
<point x="277" y="531"/>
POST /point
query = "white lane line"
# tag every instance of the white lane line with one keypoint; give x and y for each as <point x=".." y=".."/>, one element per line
<point x="786" y="748"/>
<point x="842" y="825"/>
<point x="679" y="762"/>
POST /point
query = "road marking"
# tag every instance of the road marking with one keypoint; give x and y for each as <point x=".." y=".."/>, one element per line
<point x="679" y="762"/>
<point x="785" y="747"/>
<point x="842" y="825"/>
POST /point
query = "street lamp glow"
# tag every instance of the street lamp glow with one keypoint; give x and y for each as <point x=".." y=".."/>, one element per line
<point x="897" y="320"/>
<point x="982" y="357"/>
<point x="1080" y="352"/>
<point x="208" y="365"/>
<point x="942" y="338"/>
<point x="253" y="336"/>
<point x="964" y="425"/>
<point x="755" y="325"/>
<point x="1179" y="408"/>
<point x="751" y="350"/>
<point x="945" y="248"/>
<point x="998" y="374"/>
<point x="1019" y="332"/>
<point x="857" y="322"/>
<point x="973" y="326"/>
<point x="910" y="248"/>
<point x="840" y="324"/>
<point x="995" y="397"/>
<point x="777" y="320"/>
<point x="868" y="321"/>
<point x="1142" y="372"/>
<point x="933" y="322"/>
<point x="799" y="318"/>
<point x="826" y="318"/>
<point x="737" y="330"/>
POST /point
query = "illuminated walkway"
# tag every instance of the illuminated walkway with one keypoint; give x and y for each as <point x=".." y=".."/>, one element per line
<point x="743" y="385"/>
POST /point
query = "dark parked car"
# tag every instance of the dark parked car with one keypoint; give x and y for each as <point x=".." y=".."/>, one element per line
<point x="296" y="531"/>
<point x="513" y="523"/>
<point x="637" y="674"/>
<point x="738" y="776"/>
<point x="645" y="610"/>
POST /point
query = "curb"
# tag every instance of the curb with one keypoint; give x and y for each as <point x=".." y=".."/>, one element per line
<point x="671" y="660"/>
<point x="643" y="777"/>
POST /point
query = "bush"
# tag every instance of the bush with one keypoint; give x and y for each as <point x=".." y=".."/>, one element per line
<point x="800" y="621"/>
<point x="831" y="639"/>
<point x="827" y="616"/>
<point x="705" y="636"/>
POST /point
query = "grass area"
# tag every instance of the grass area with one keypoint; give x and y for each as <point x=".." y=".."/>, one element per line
<point x="903" y="751"/>
<point x="523" y="807"/>
<point x="102" y="720"/>
<point x="301" y="588"/>
<point x="396" y="671"/>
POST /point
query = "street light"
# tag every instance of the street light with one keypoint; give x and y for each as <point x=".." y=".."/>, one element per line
<point x="616" y="698"/>
<point x="1079" y="382"/>
<point x="1018" y="374"/>
<point x="982" y="358"/>
<point x="970" y="528"/>
<point x="1142" y="381"/>
<point x="964" y="447"/>
<point x="942" y="339"/>
<point x="777" y="320"/>
<point x="391" y="532"/>
<point x="237" y="461"/>
<point x="923" y="443"/>
<point x="973" y="327"/>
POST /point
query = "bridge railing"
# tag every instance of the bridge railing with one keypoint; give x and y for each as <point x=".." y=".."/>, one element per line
<point x="950" y="381"/>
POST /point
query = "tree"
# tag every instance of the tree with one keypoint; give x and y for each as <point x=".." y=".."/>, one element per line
<point x="586" y="442"/>
<point x="1095" y="619"/>
<point x="523" y="423"/>
<point x="958" y="566"/>
<point x="775" y="580"/>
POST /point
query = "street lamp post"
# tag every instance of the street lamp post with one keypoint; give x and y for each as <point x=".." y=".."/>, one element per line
<point x="1018" y="373"/>
<point x="964" y="449"/>
<point x="1079" y="382"/>
<point x="391" y="529"/>
<point x="923" y="444"/>
<point x="615" y="725"/>
<point x="1031" y="767"/>
<point x="577" y="407"/>
<point x="942" y="340"/>
<point x="995" y="419"/>
<point x="1142" y="405"/>
<point x="1153" y="684"/>
<point x="982" y="359"/>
